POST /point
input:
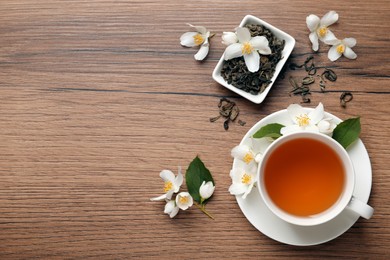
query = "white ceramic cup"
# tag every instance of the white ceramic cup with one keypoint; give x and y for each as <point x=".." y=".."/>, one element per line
<point x="346" y="199"/>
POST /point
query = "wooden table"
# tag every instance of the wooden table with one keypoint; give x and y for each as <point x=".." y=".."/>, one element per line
<point x="97" y="97"/>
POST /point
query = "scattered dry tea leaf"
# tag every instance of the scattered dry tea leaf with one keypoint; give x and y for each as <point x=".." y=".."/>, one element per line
<point x="345" y="98"/>
<point x="241" y="123"/>
<point x="308" y="80"/>
<point x="329" y="75"/>
<point x="234" y="113"/>
<point x="301" y="87"/>
<point x="229" y="111"/>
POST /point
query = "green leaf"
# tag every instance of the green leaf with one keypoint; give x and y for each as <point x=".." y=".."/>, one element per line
<point x="347" y="131"/>
<point x="270" y="130"/>
<point x="195" y="175"/>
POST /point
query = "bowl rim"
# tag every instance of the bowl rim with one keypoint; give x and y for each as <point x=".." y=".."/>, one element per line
<point x="288" y="48"/>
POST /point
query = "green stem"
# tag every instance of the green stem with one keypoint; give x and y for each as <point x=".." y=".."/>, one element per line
<point x="202" y="208"/>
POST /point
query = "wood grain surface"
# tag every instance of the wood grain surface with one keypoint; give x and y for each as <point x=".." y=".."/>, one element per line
<point x="97" y="97"/>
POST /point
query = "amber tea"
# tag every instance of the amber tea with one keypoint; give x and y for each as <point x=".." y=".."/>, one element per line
<point x="304" y="177"/>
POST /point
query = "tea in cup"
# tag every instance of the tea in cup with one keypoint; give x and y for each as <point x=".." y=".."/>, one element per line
<point x="308" y="179"/>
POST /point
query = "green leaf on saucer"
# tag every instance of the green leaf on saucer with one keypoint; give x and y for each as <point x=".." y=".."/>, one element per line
<point x="195" y="175"/>
<point x="270" y="130"/>
<point x="347" y="131"/>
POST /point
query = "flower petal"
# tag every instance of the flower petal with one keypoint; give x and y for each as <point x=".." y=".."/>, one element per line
<point x="259" y="145"/>
<point x="243" y="34"/>
<point x="229" y="38"/>
<point x="312" y="22"/>
<point x="240" y="151"/>
<point x="312" y="128"/>
<point x="317" y="114"/>
<point x="236" y="175"/>
<point x="169" y="206"/>
<point x="162" y="197"/>
<point x="295" y="110"/>
<point x="200" y="29"/>
<point x="290" y="129"/>
<point x="178" y="180"/>
<point x="203" y="51"/>
<point x="252" y="61"/>
<point x="261" y="44"/>
<point x="329" y="37"/>
<point x="329" y="18"/>
<point x="333" y="54"/>
<point x="332" y="41"/>
<point x="187" y="39"/>
<point x="237" y="188"/>
<point x="171" y="209"/>
<point x="323" y="125"/>
<point x="174" y="212"/>
<point x="259" y="157"/>
<point x="350" y="42"/>
<point x="314" y="40"/>
<point x="169" y="194"/>
<point x="233" y="51"/>
<point x="349" y="53"/>
<point x="167" y="175"/>
<point x="326" y="126"/>
<point x="248" y="190"/>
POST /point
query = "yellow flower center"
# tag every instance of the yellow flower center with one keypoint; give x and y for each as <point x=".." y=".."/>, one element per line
<point x="168" y="186"/>
<point x="248" y="157"/>
<point x="340" y="49"/>
<point x="303" y="120"/>
<point x="322" y="32"/>
<point x="198" y="39"/>
<point x="246" y="178"/>
<point x="183" y="200"/>
<point x="246" y="48"/>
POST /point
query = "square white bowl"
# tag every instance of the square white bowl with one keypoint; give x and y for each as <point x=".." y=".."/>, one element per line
<point x="288" y="47"/>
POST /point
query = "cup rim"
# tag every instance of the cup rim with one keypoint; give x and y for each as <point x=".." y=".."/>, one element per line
<point x="337" y="207"/>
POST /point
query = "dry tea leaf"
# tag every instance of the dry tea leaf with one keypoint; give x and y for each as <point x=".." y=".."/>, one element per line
<point x="229" y="111"/>
<point x="234" y="113"/>
<point x="308" y="80"/>
<point x="241" y="123"/>
<point x="345" y="98"/>
<point x="329" y="75"/>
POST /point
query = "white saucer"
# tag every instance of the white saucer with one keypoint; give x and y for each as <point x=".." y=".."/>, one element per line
<point x="266" y="222"/>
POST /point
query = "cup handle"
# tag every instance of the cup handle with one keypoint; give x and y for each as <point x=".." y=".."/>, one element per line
<point x="361" y="208"/>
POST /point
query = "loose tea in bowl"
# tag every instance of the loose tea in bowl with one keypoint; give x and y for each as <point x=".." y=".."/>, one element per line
<point x="254" y="86"/>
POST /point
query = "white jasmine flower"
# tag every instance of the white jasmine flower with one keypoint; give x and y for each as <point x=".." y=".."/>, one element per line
<point x="229" y="38"/>
<point x="326" y="126"/>
<point x="198" y="38"/>
<point x="244" y="175"/>
<point x="249" y="48"/>
<point x="184" y="200"/>
<point x="171" y="184"/>
<point x="319" y="28"/>
<point x="244" y="153"/>
<point x="206" y="190"/>
<point x="251" y="155"/>
<point x="171" y="209"/>
<point x="243" y="180"/>
<point x="303" y="121"/>
<point x="341" y="47"/>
